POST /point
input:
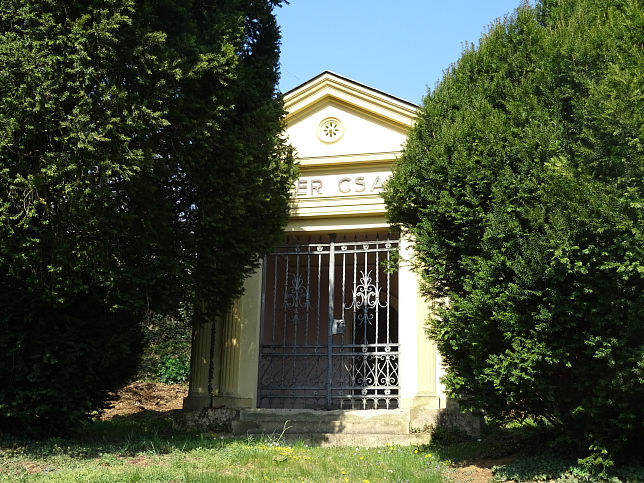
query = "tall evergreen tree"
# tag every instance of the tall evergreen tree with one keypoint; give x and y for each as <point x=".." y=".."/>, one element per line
<point x="141" y="164"/>
<point x="523" y="186"/>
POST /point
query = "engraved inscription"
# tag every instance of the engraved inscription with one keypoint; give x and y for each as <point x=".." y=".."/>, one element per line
<point x="308" y="187"/>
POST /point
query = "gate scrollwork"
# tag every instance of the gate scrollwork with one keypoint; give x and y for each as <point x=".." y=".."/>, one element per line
<point x="298" y="295"/>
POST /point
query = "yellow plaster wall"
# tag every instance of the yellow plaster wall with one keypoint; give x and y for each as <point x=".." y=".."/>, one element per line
<point x="363" y="133"/>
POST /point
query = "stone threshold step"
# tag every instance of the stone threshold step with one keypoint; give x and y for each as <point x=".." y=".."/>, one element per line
<point x="364" y="440"/>
<point x="270" y="421"/>
<point x="321" y="415"/>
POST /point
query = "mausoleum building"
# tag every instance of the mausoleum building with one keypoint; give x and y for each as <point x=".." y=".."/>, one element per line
<point x="327" y="322"/>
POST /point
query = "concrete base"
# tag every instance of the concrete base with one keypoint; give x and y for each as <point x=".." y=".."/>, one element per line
<point x="365" y="440"/>
<point x="353" y="422"/>
<point x="424" y="419"/>
<point x="196" y="401"/>
<point x="206" y="420"/>
<point x="305" y="421"/>
<point x="231" y="402"/>
<point x="433" y="402"/>
<point x="331" y="428"/>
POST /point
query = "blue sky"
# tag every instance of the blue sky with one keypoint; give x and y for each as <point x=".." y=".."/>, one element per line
<point x="399" y="47"/>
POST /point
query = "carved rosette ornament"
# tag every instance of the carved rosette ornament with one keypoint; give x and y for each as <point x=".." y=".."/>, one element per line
<point x="330" y="130"/>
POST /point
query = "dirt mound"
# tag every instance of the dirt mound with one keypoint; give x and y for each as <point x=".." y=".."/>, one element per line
<point x="139" y="397"/>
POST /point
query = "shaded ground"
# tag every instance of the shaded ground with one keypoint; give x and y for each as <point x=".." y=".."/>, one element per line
<point x="478" y="470"/>
<point x="141" y="397"/>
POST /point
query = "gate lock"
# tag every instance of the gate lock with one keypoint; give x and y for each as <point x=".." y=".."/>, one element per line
<point x="338" y="326"/>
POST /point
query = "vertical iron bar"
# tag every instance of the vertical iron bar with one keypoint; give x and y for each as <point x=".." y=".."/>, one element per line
<point x="308" y="293"/>
<point x="276" y="259"/>
<point x="284" y="305"/>
<point x="377" y="293"/>
<point x="353" y="339"/>
<point x="282" y="350"/>
<point x="262" y="322"/>
<point x="365" y="322"/>
<point x="331" y="315"/>
<point x="296" y="309"/>
<point x="355" y="288"/>
<point x="343" y="360"/>
<point x="274" y="319"/>
<point x="317" y="333"/>
<point x="388" y="358"/>
<point x="388" y="290"/>
<point x="366" y="305"/>
<point x="344" y="270"/>
<point x="318" y="356"/>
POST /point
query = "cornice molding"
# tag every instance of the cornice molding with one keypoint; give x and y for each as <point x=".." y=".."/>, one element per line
<point x="328" y="86"/>
<point x="334" y="162"/>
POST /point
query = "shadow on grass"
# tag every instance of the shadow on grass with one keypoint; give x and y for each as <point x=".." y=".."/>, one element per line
<point x="525" y="453"/>
<point x="129" y="435"/>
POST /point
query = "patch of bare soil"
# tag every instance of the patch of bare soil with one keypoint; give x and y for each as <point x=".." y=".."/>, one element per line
<point x="140" y="397"/>
<point x="478" y="471"/>
<point x="141" y="460"/>
<point x="32" y="468"/>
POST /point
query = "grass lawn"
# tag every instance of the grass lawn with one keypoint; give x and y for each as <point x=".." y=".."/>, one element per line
<point x="146" y="449"/>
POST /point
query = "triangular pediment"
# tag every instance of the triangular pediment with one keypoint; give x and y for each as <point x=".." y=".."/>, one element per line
<point x="331" y="115"/>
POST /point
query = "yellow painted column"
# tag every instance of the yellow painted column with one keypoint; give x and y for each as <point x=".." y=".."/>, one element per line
<point x="419" y="361"/>
<point x="200" y="352"/>
<point x="235" y="382"/>
<point x="407" y="322"/>
<point x="428" y="361"/>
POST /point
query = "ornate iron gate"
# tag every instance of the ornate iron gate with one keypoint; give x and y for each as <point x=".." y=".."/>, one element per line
<point x="329" y="330"/>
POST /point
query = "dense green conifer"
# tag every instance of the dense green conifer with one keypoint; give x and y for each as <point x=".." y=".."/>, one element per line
<point x="523" y="186"/>
<point x="141" y="165"/>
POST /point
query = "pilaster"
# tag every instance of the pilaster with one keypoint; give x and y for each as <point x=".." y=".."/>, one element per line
<point x="419" y="359"/>
<point x="239" y="355"/>
<point x="200" y="354"/>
